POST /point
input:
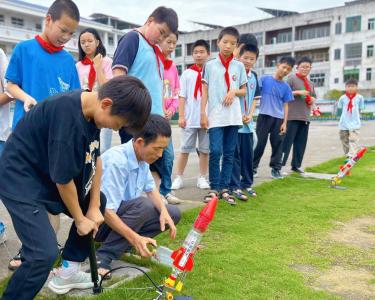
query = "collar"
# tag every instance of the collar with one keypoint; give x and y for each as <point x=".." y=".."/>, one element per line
<point x="133" y="163"/>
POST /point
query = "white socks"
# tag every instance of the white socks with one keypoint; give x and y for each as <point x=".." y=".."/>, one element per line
<point x="69" y="268"/>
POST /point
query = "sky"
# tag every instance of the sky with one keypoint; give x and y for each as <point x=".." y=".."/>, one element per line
<point x="206" y="11"/>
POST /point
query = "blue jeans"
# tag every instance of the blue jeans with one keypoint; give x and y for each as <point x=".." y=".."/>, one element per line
<point x="166" y="170"/>
<point x="223" y="141"/>
<point x="242" y="174"/>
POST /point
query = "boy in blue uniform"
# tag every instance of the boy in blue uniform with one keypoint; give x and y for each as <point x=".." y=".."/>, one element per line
<point x="51" y="164"/>
<point x="242" y="175"/>
<point x="273" y="115"/>
<point x="224" y="81"/>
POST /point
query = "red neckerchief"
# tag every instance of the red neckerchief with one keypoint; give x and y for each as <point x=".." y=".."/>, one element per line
<point x="226" y="66"/>
<point x="350" y="104"/>
<point x="167" y="63"/>
<point x="307" y="87"/>
<point x="48" y="46"/>
<point x="92" y="74"/>
<point x="198" y="82"/>
<point x="158" y="54"/>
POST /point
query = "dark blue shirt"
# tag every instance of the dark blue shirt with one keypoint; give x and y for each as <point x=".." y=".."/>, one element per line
<point x="53" y="143"/>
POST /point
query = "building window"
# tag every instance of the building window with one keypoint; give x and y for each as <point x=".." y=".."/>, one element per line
<point x="111" y="40"/>
<point x="313" y="31"/>
<point x="368" y="74"/>
<point x="189" y="49"/>
<point x="1" y="19"/>
<point x="337" y="80"/>
<point x="370" y="50"/>
<point x="353" y="50"/>
<point x="318" y="79"/>
<point x="179" y="69"/>
<point x="353" y="24"/>
<point x="318" y="55"/>
<point x="352" y="73"/>
<point x="214" y="46"/>
<point x="338" y="28"/>
<point x="337" y="54"/>
<point x="38" y="27"/>
<point x="17" y="22"/>
<point x="371" y="24"/>
<point x="178" y="51"/>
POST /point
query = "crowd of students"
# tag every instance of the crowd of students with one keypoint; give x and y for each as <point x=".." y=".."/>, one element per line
<point x="52" y="162"/>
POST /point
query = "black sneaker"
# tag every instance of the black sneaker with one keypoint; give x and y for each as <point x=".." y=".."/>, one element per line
<point x="298" y="170"/>
<point x="276" y="174"/>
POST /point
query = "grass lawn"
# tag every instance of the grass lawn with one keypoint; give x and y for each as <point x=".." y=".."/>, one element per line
<point x="252" y="251"/>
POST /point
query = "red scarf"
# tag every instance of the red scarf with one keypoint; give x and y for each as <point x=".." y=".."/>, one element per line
<point x="158" y="53"/>
<point x="198" y="82"/>
<point x="48" y="46"/>
<point x="350" y="104"/>
<point x="226" y="66"/>
<point x="307" y="87"/>
<point x="167" y="63"/>
<point x="92" y="74"/>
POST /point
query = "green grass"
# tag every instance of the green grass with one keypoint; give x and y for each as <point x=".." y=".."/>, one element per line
<point x="250" y="250"/>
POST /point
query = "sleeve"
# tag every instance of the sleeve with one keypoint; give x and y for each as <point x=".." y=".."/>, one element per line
<point x="14" y="70"/>
<point x="290" y="81"/>
<point x="3" y="68"/>
<point x="243" y="75"/>
<point x="126" y="51"/>
<point x="150" y="183"/>
<point x="113" y="181"/>
<point x="257" y="88"/>
<point x="288" y="94"/>
<point x="205" y="77"/>
<point x="107" y="68"/>
<point x="361" y="103"/>
<point x="183" y="89"/>
<point x="340" y="104"/>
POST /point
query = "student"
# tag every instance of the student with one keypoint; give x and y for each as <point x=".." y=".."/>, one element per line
<point x="40" y="68"/>
<point x="62" y="176"/>
<point x="132" y="220"/>
<point x="224" y="81"/>
<point x="242" y="175"/>
<point x="273" y="115"/>
<point x="351" y="104"/>
<point x="299" y="114"/>
<point x="189" y="117"/>
<point x="137" y="54"/>
<point x="94" y="69"/>
<point x="5" y="126"/>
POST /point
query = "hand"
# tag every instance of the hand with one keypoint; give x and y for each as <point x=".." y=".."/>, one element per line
<point x="237" y="50"/>
<point x="94" y="214"/>
<point x="98" y="59"/>
<point x="29" y="103"/>
<point x="165" y="218"/>
<point x="182" y="122"/>
<point x="303" y="93"/>
<point x="204" y="121"/>
<point x="246" y="119"/>
<point x="85" y="226"/>
<point x="168" y="114"/>
<point x="229" y="97"/>
<point x="140" y="244"/>
<point x="283" y="128"/>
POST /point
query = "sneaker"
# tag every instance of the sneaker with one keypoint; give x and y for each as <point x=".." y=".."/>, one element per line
<point x="79" y="280"/>
<point x="173" y="199"/>
<point x="298" y="170"/>
<point x="251" y="192"/>
<point x="276" y="174"/>
<point x="202" y="183"/>
<point x="255" y="173"/>
<point x="177" y="183"/>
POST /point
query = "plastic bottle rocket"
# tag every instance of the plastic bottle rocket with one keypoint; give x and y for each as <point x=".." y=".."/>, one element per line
<point x="183" y="257"/>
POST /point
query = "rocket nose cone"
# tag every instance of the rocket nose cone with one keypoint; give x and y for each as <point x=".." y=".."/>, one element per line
<point x="361" y="152"/>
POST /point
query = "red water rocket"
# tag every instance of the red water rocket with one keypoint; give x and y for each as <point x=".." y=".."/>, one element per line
<point x="183" y="257"/>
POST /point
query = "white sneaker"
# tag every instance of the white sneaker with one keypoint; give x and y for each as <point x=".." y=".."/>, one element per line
<point x="202" y="183"/>
<point x="173" y="199"/>
<point x="79" y="280"/>
<point x="177" y="183"/>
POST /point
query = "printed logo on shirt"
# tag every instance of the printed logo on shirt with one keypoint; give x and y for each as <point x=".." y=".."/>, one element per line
<point x="167" y="89"/>
<point x="91" y="159"/>
<point x="234" y="77"/>
<point x="64" y="87"/>
<point x="252" y="86"/>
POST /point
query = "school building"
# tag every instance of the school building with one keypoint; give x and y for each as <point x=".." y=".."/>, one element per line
<point x="340" y="40"/>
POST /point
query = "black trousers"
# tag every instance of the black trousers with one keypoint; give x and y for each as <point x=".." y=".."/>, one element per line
<point x="296" y="136"/>
<point x="269" y="126"/>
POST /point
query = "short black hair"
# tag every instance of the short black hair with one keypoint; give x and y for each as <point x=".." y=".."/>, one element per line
<point x="289" y="60"/>
<point x="60" y="7"/>
<point x="155" y="126"/>
<point x="131" y="100"/>
<point x="166" y="15"/>
<point x="352" y="81"/>
<point x="99" y="50"/>
<point x="248" y="38"/>
<point x="249" y="48"/>
<point x="229" y="31"/>
<point x="201" y="43"/>
<point x="304" y="59"/>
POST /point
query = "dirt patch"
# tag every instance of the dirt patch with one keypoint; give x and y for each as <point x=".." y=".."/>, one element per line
<point x="350" y="284"/>
<point x="356" y="233"/>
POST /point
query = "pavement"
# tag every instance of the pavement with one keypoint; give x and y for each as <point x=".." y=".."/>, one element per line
<point x="323" y="144"/>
